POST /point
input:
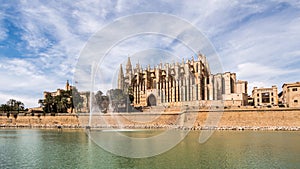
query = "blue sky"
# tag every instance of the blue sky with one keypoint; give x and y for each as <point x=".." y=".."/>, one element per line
<point x="40" y="41"/>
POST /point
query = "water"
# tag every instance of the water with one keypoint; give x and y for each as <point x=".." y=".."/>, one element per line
<point x="41" y="148"/>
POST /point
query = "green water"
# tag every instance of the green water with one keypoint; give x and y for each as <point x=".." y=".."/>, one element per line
<point x="38" y="148"/>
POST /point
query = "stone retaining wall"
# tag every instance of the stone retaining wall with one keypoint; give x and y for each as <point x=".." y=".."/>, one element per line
<point x="40" y="121"/>
<point x="229" y="119"/>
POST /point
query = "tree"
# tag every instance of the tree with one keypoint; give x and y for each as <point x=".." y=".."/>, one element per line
<point x="76" y="99"/>
<point x="102" y="101"/>
<point x="4" y="108"/>
<point x="15" y="105"/>
<point x="99" y="98"/>
<point x="57" y="104"/>
<point x="117" y="98"/>
<point x="62" y="101"/>
<point x="20" y="106"/>
<point x="12" y="106"/>
<point x="11" y="103"/>
<point x="47" y="103"/>
<point x="104" y="104"/>
<point x="41" y="102"/>
<point x="130" y="94"/>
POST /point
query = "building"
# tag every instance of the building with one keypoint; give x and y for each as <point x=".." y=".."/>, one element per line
<point x="67" y="92"/>
<point x="235" y="99"/>
<point x="238" y="96"/>
<point x="174" y="84"/>
<point x="242" y="86"/>
<point x="291" y="94"/>
<point x="250" y="101"/>
<point x="58" y="92"/>
<point x="280" y="99"/>
<point x="58" y="100"/>
<point x="265" y="96"/>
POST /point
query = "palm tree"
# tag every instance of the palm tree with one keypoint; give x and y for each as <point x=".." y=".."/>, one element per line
<point x="11" y="103"/>
<point x="67" y="100"/>
<point x="41" y="102"/>
<point x="4" y="108"/>
<point x="75" y="98"/>
<point x="56" y="104"/>
<point x="19" y="106"/>
<point x="13" y="106"/>
<point x="48" y="103"/>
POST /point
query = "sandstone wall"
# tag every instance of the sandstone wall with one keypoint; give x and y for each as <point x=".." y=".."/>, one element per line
<point x="261" y="118"/>
<point x="229" y="118"/>
<point x="40" y="121"/>
<point x="205" y="118"/>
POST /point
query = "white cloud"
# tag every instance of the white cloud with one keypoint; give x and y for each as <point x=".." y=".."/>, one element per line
<point x="3" y="29"/>
<point x="259" y="75"/>
<point x="28" y="100"/>
<point x="248" y="70"/>
<point x="20" y="78"/>
<point x="260" y="41"/>
<point x="3" y="33"/>
<point x="264" y="36"/>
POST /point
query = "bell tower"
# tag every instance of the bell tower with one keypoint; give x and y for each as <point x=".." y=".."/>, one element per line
<point x="68" y="86"/>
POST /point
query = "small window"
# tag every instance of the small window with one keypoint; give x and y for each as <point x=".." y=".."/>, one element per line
<point x="257" y="94"/>
<point x="295" y="101"/>
<point x="265" y="98"/>
<point x="294" y="89"/>
<point x="272" y="99"/>
<point x="272" y="94"/>
<point x="257" y="100"/>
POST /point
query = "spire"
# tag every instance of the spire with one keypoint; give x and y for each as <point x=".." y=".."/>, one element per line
<point x="160" y="65"/>
<point x="121" y="78"/>
<point x="128" y="65"/>
<point x="138" y="67"/>
<point x="200" y="56"/>
<point x="121" y="74"/>
<point x="148" y="68"/>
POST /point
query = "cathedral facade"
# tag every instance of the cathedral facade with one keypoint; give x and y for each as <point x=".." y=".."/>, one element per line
<point x="175" y="84"/>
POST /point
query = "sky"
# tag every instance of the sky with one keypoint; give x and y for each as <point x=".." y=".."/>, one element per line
<point x="42" y="41"/>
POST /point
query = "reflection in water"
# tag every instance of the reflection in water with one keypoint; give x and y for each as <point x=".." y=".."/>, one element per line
<point x="116" y="142"/>
<point x="24" y="148"/>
